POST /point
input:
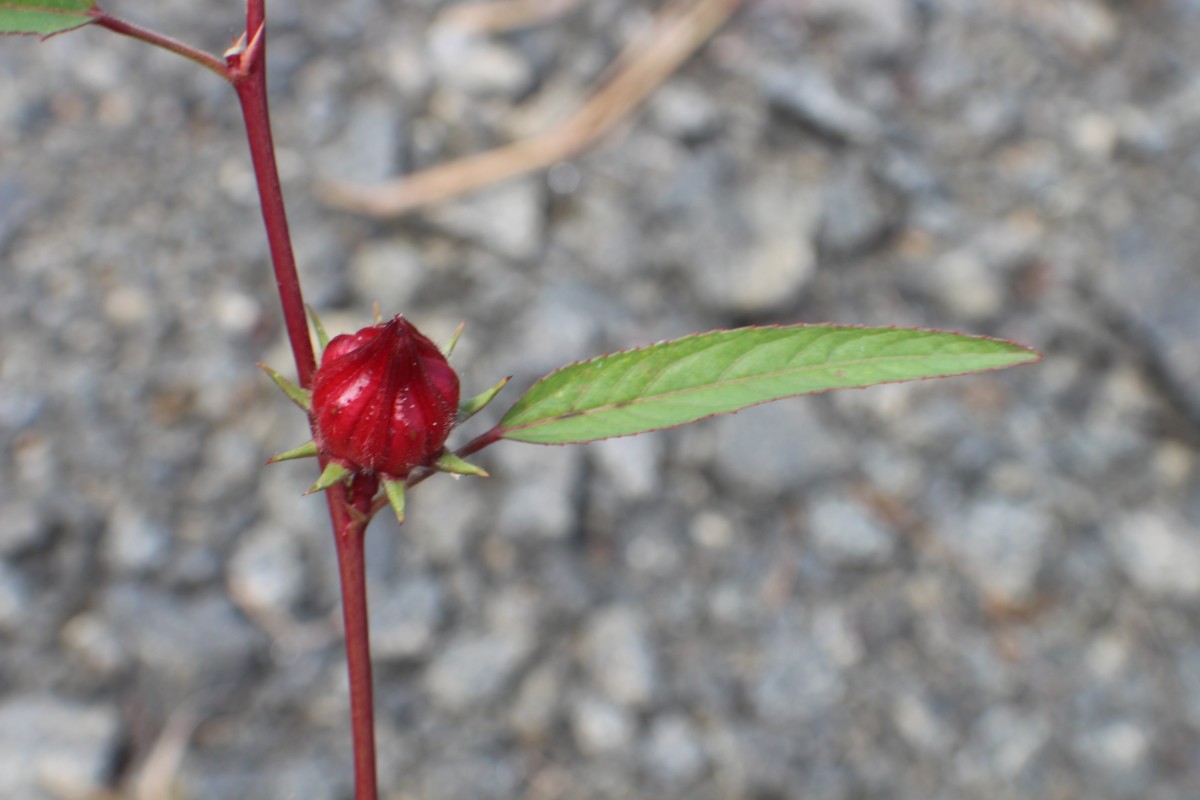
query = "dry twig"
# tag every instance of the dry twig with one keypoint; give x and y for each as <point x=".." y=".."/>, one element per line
<point x="680" y="30"/>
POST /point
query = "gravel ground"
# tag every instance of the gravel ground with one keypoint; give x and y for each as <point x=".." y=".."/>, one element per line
<point x="985" y="587"/>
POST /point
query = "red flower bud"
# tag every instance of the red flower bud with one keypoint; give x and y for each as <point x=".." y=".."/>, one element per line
<point x="384" y="399"/>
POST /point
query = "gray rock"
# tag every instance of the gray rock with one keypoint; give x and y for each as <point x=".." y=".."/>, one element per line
<point x="404" y="617"/>
<point x="809" y="96"/>
<point x="389" y="271"/>
<point x="538" y="700"/>
<point x="674" y="754"/>
<point x="133" y="542"/>
<point x="14" y="599"/>
<point x="478" y="66"/>
<point x="632" y="464"/>
<point x="185" y="641"/>
<point x="601" y="727"/>
<point x="23" y="527"/>
<point x="1005" y="745"/>
<point x="846" y="534"/>
<point x="267" y="569"/>
<point x="473" y="669"/>
<point x="777" y="447"/>
<point x="617" y="653"/>
<point x="922" y="724"/>
<point x="684" y="110"/>
<point x="458" y="777"/>
<point x="1003" y="546"/>
<point x="540" y="502"/>
<point x="506" y="218"/>
<point x="368" y="149"/>
<point x="51" y="747"/>
<point x="795" y="680"/>
<point x="92" y="639"/>
<point x="1158" y="551"/>
<point x="965" y="285"/>
<point x="855" y="213"/>
<point x="760" y="253"/>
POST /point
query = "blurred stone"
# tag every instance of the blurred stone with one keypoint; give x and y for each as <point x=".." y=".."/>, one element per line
<point x="537" y="703"/>
<point x="760" y="254"/>
<point x="1004" y="746"/>
<point x="1158" y="551"/>
<point x="22" y="528"/>
<point x="133" y="542"/>
<point x="404" y="617"/>
<point x="777" y="447"/>
<point x="505" y="218"/>
<point x="389" y="271"/>
<point x="1003" y="546"/>
<point x="683" y="110"/>
<point x="185" y="641"/>
<point x="541" y="503"/>
<point x="795" y="681"/>
<point x="477" y="66"/>
<point x="809" y="96"/>
<point x="601" y="727"/>
<point x="14" y="599"/>
<point x="965" y="286"/>
<point x="631" y="463"/>
<point x="922" y="724"/>
<point x="266" y="570"/>
<point x="51" y="746"/>
<point x="617" y="653"/>
<point x="673" y="755"/>
<point x="367" y="150"/>
<point x="855" y="214"/>
<point x="92" y="639"/>
<point x="846" y="534"/>
<point x="474" y="669"/>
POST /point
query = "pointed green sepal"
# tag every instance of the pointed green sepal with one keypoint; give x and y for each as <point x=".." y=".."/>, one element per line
<point x="322" y="336"/>
<point x="395" y="496"/>
<point x="306" y="450"/>
<point x="469" y="408"/>
<point x="449" y="462"/>
<point x="301" y="397"/>
<point x="377" y="311"/>
<point x="334" y="473"/>
<point x="449" y="346"/>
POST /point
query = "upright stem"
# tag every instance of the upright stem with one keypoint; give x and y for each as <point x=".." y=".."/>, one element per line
<point x="348" y="528"/>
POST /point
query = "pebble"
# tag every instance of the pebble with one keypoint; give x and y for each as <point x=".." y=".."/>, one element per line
<point x="1158" y="551"/>
<point x="1003" y="546"/>
<point x="777" y="447"/>
<point x="617" y="654"/>
<point x="855" y="214"/>
<point x="848" y="535"/>
<point x="965" y="285"/>
<point x="674" y="754"/>
<point x="506" y="219"/>
<point x="14" y="599"/>
<point x="389" y="271"/>
<point x="405" y="617"/>
<point x="795" y="681"/>
<point x="51" y="745"/>
<point x="601" y="727"/>
<point x="474" y="669"/>
<point x="267" y="570"/>
<point x="807" y="95"/>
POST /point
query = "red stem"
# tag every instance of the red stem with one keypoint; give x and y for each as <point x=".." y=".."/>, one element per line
<point x="246" y="69"/>
<point x="106" y="20"/>
<point x="349" y="528"/>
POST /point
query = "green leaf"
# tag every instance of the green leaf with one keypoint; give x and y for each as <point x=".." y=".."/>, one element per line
<point x="44" y="17"/>
<point x="681" y="381"/>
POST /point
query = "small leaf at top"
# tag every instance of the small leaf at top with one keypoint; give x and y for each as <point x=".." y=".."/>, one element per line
<point x="45" y="17"/>
<point x="681" y="381"/>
